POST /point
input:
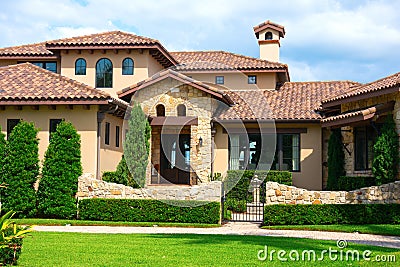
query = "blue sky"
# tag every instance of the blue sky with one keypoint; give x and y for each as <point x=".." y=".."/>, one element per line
<point x="325" y="39"/>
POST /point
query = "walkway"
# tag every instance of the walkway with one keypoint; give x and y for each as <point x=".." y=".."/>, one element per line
<point x="233" y="229"/>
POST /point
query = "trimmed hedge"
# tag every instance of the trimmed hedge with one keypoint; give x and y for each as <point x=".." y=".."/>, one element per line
<point x="349" y="183"/>
<point x="332" y="214"/>
<point x="148" y="210"/>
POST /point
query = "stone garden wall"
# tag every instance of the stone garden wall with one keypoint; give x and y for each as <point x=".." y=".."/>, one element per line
<point x="89" y="187"/>
<point x="283" y="194"/>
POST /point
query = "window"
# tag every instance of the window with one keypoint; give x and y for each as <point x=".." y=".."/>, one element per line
<point x="364" y="139"/>
<point x="127" y="66"/>
<point x="268" y="36"/>
<point x="48" y="65"/>
<point x="251" y="151"/>
<point x="181" y="109"/>
<point x="252" y="79"/>
<point x="53" y="126"/>
<point x="107" y="134"/>
<point x="80" y="66"/>
<point x="219" y="79"/>
<point x="160" y="110"/>
<point x="104" y="73"/>
<point x="11" y="123"/>
<point x="116" y="136"/>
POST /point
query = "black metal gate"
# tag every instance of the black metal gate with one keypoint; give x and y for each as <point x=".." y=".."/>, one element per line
<point x="247" y="207"/>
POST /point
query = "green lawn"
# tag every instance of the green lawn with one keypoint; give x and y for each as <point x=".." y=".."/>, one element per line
<point x="75" y="249"/>
<point x="377" y="229"/>
<point x="108" y="223"/>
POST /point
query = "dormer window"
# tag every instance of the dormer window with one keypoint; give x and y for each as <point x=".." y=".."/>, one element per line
<point x="80" y="66"/>
<point x="127" y="66"/>
<point x="268" y="36"/>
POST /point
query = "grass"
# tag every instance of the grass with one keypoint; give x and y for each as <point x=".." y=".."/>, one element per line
<point x="109" y="223"/>
<point x="376" y="229"/>
<point x="77" y="249"/>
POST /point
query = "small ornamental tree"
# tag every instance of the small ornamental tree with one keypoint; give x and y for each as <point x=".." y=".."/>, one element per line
<point x="137" y="145"/>
<point x="335" y="159"/>
<point x="386" y="153"/>
<point x="21" y="169"/>
<point x="61" y="169"/>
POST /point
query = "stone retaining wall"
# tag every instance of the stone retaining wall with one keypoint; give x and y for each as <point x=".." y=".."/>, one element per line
<point x="283" y="194"/>
<point x="89" y="187"/>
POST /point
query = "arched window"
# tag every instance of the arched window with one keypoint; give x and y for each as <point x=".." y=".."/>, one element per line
<point x="268" y="36"/>
<point x="80" y="66"/>
<point x="160" y="110"/>
<point x="127" y="66"/>
<point x="181" y="110"/>
<point x="104" y="73"/>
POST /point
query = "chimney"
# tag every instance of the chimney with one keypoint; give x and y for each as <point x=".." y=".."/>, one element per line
<point x="268" y="35"/>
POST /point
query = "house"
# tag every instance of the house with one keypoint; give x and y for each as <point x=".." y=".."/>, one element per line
<point x="210" y="111"/>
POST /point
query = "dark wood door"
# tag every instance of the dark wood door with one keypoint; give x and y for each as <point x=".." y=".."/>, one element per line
<point x="175" y="158"/>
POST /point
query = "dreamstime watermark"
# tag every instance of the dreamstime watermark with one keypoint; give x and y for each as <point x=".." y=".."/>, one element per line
<point x="339" y="253"/>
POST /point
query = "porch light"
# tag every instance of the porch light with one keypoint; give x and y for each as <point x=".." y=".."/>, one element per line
<point x="200" y="141"/>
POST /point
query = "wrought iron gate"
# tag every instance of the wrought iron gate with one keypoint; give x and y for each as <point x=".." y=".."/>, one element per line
<point x="246" y="208"/>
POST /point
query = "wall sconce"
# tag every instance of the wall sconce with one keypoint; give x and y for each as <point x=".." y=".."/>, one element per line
<point x="200" y="141"/>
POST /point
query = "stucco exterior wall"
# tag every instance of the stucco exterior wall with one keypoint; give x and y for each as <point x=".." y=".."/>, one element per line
<point x="85" y="121"/>
<point x="238" y="80"/>
<point x="144" y="65"/>
<point x="269" y="51"/>
<point x="110" y="155"/>
<point x="221" y="152"/>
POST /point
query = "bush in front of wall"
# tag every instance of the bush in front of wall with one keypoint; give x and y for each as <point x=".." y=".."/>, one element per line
<point x="20" y="170"/>
<point x="349" y="183"/>
<point x="121" y="176"/>
<point x="61" y="169"/>
<point x="302" y="214"/>
<point x="148" y="210"/>
<point x="386" y="153"/>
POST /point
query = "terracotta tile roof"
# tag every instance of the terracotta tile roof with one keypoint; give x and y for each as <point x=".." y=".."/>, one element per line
<point x="26" y="83"/>
<point x="272" y="25"/>
<point x="357" y="115"/>
<point x="221" y="60"/>
<point x="105" y="38"/>
<point x="38" y="49"/>
<point x="293" y="101"/>
<point x="377" y="87"/>
<point x="168" y="73"/>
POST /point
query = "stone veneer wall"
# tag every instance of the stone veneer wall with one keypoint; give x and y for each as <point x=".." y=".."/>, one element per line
<point x="283" y="194"/>
<point x="171" y="93"/>
<point x="89" y="187"/>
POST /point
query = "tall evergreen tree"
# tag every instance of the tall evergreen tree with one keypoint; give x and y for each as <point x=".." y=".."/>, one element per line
<point x="21" y="169"/>
<point x="137" y="145"/>
<point x="3" y="143"/>
<point x="61" y="169"/>
<point x="386" y="153"/>
<point x="335" y="159"/>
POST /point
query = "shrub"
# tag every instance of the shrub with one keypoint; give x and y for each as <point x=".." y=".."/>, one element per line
<point x="11" y="239"/>
<point x="235" y="205"/>
<point x="146" y="210"/>
<point x="137" y="145"/>
<point x="348" y="183"/>
<point x="121" y="175"/>
<point x="21" y="169"/>
<point x="335" y="159"/>
<point x="386" y="153"/>
<point x="2" y="153"/>
<point x="61" y="169"/>
<point x="332" y="214"/>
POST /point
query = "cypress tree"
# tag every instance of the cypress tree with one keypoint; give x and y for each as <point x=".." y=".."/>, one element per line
<point x="21" y="169"/>
<point x="137" y="145"/>
<point x="335" y="159"/>
<point x="2" y="153"/>
<point x="61" y="169"/>
<point x="386" y="153"/>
